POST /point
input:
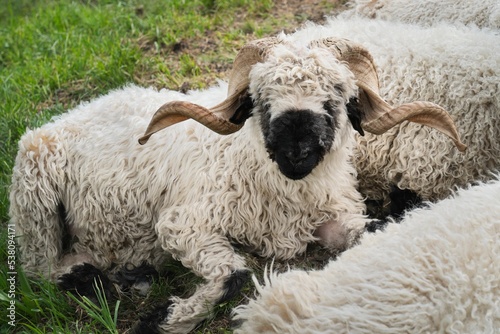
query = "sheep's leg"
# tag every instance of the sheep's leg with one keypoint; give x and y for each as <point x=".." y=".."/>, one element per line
<point x="209" y="255"/>
<point x="342" y="233"/>
<point x="185" y="314"/>
<point x="402" y="200"/>
<point x="35" y="204"/>
<point x="135" y="278"/>
<point x="83" y="279"/>
<point x="376" y="225"/>
<point x="37" y="212"/>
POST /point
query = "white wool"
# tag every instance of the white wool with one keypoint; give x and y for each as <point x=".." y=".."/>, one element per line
<point x="438" y="271"/>
<point x="188" y="193"/>
<point x="481" y="13"/>
<point x="456" y="67"/>
<point x="110" y="184"/>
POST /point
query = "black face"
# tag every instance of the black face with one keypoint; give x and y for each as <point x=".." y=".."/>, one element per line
<point x="298" y="140"/>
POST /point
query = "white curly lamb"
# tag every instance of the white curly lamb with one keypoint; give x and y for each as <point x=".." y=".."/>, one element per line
<point x="436" y="272"/>
<point x="189" y="192"/>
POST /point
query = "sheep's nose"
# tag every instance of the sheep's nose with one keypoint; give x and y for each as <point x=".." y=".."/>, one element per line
<point x="296" y="158"/>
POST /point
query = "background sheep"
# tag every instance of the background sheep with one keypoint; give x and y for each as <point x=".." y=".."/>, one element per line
<point x="484" y="14"/>
<point x="436" y="272"/>
<point x="189" y="192"/>
<point x="459" y="68"/>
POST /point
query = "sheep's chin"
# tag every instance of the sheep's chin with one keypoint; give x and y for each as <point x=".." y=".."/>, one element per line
<point x="295" y="175"/>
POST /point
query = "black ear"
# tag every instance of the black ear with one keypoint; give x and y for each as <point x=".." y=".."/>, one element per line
<point x="244" y="111"/>
<point x="355" y="114"/>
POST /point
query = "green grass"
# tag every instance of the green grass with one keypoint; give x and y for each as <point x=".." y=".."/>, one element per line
<point x="56" y="54"/>
<point x="100" y="312"/>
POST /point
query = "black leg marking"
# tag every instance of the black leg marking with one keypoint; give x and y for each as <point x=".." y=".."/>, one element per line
<point x="234" y="283"/>
<point x="402" y="200"/>
<point x="67" y="239"/>
<point x="148" y="324"/>
<point x="235" y="324"/>
<point x="82" y="281"/>
<point x="375" y="225"/>
<point x="375" y="209"/>
<point x="130" y="275"/>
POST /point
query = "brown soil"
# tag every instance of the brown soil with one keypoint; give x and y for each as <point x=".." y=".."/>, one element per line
<point x="293" y="12"/>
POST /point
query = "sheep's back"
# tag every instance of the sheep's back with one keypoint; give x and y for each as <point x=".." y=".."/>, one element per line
<point x="114" y="185"/>
<point x="437" y="271"/>
<point x="226" y="183"/>
<point x="484" y="14"/>
<point x="456" y="67"/>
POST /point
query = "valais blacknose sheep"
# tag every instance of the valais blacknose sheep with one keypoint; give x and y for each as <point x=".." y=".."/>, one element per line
<point x="481" y="13"/>
<point x="436" y="272"/>
<point x="456" y="67"/>
<point x="283" y="180"/>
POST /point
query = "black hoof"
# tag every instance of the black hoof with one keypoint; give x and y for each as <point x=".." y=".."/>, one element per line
<point x="148" y="324"/>
<point x="82" y="280"/>
<point x="234" y="283"/>
<point x="138" y="278"/>
<point x="375" y="225"/>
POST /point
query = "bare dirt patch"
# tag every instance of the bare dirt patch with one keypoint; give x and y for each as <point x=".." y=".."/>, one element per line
<point x="214" y="57"/>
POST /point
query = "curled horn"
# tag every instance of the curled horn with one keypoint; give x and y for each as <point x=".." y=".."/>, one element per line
<point x="217" y="118"/>
<point x="379" y="116"/>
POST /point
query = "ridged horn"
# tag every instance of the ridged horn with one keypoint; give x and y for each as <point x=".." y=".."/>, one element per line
<point x="379" y="116"/>
<point x="218" y="117"/>
<point x="178" y="111"/>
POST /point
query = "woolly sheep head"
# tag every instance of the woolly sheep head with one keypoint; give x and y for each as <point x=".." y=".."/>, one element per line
<point x="302" y="98"/>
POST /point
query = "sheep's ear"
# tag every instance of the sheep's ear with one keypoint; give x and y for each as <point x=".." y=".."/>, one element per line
<point x="244" y="111"/>
<point x="355" y="114"/>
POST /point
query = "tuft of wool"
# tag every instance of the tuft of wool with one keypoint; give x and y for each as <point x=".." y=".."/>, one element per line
<point x="480" y="13"/>
<point x="438" y="271"/>
<point x="189" y="193"/>
<point x="456" y="67"/>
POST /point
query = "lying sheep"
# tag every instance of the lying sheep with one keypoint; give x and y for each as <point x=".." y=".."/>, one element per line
<point x="283" y="180"/>
<point x="456" y="67"/>
<point x="481" y="13"/>
<point x="436" y="272"/>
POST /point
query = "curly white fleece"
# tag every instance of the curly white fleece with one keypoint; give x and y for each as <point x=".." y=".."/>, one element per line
<point x="436" y="272"/>
<point x="456" y="67"/>
<point x="481" y="13"/>
<point x="189" y="192"/>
